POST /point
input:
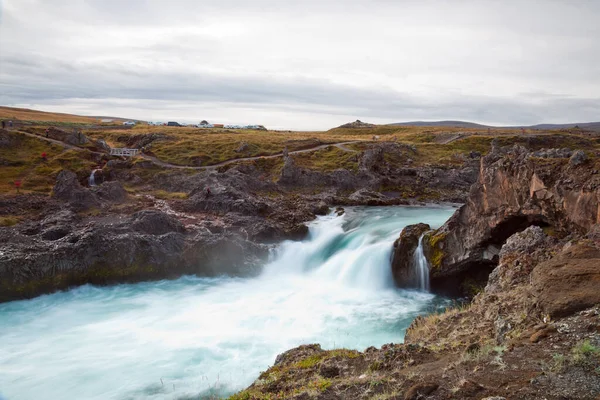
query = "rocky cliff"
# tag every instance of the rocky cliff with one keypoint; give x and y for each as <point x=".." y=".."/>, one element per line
<point x="516" y="188"/>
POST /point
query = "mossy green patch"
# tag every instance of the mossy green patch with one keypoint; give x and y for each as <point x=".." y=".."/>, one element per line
<point x="9" y="220"/>
<point x="436" y="240"/>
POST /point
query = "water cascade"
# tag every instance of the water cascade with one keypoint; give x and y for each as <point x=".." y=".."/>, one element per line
<point x="209" y="337"/>
<point x="92" y="179"/>
<point x="421" y="266"/>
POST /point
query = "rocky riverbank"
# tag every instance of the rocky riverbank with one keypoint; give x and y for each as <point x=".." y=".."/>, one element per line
<point x="526" y="248"/>
<point x="176" y="222"/>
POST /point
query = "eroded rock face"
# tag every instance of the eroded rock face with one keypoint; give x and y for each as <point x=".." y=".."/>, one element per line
<point x="148" y="245"/>
<point x="514" y="191"/>
<point x="154" y="222"/>
<point x="68" y="189"/>
<point x="75" y="138"/>
<point x="111" y="192"/>
<point x="404" y="248"/>
<point x="568" y="283"/>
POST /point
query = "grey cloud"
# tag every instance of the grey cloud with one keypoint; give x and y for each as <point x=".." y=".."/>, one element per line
<point x="484" y="61"/>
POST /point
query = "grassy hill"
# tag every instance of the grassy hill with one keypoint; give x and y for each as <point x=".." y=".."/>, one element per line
<point x="25" y="114"/>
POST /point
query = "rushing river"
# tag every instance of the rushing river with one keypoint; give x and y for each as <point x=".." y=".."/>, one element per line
<point x="194" y="337"/>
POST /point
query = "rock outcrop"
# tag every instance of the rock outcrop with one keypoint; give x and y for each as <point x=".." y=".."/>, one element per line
<point x="403" y="268"/>
<point x="569" y="282"/>
<point x="65" y="252"/>
<point x="358" y="124"/>
<point x="75" y="138"/>
<point x="69" y="190"/>
<point x="515" y="190"/>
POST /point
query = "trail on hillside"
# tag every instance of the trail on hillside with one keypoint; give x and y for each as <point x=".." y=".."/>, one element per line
<point x="160" y="163"/>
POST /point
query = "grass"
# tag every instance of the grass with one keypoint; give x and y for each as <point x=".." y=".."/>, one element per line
<point x="22" y="161"/>
<point x="25" y="114"/>
<point x="164" y="195"/>
<point x="9" y="220"/>
<point x="328" y="159"/>
<point x="584" y="353"/>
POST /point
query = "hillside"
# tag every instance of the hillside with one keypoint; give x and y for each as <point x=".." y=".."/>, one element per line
<point x="593" y="126"/>
<point x="25" y="114"/>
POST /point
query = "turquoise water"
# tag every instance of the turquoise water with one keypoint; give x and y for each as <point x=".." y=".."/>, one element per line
<point x="194" y="337"/>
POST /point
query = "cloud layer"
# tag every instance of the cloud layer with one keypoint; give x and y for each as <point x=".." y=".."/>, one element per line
<point x="304" y="65"/>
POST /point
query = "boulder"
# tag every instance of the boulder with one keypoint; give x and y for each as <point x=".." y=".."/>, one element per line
<point x="524" y="242"/>
<point x="321" y="208"/>
<point x="403" y="268"/>
<point x="569" y="282"/>
<point x="74" y="137"/>
<point x="366" y="196"/>
<point x="69" y="190"/>
<point x="577" y="158"/>
<point x="112" y="192"/>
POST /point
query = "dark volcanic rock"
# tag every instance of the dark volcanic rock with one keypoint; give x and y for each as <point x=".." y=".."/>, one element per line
<point x="74" y="137"/>
<point x="149" y="245"/>
<point x="155" y="222"/>
<point x="512" y="193"/>
<point x="111" y="191"/>
<point x="404" y="248"/>
<point x="68" y="189"/>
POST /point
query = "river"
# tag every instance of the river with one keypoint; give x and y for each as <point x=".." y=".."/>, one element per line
<point x="197" y="337"/>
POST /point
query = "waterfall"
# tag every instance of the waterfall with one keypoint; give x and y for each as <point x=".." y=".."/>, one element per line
<point x="350" y="256"/>
<point x="92" y="179"/>
<point x="421" y="266"/>
<point x="187" y="338"/>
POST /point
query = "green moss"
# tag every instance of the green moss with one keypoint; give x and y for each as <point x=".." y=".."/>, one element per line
<point x="164" y="195"/>
<point x="309" y="362"/>
<point x="320" y="384"/>
<point x="437" y="253"/>
<point x="9" y="221"/>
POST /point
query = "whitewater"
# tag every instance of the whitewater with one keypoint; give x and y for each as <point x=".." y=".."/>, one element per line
<point x="200" y="337"/>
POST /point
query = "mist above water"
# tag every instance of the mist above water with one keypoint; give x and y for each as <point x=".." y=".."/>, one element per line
<point x="199" y="336"/>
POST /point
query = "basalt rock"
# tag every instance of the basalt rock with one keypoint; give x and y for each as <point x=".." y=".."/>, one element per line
<point x="404" y="248"/>
<point x="75" y="138"/>
<point x="69" y="190"/>
<point x="112" y="192"/>
<point x="513" y="191"/>
<point x="147" y="246"/>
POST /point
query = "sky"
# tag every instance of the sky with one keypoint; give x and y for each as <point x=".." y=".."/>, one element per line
<point x="304" y="65"/>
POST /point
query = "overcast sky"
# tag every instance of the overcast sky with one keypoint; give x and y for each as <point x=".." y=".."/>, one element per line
<point x="304" y="64"/>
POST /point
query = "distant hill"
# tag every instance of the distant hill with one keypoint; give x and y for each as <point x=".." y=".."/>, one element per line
<point x="357" y="124"/>
<point x="25" y="114"/>
<point x="593" y="126"/>
<point x="453" y="124"/>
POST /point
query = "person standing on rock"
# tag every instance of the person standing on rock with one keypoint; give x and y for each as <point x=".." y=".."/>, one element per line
<point x="207" y="192"/>
<point x="3" y="124"/>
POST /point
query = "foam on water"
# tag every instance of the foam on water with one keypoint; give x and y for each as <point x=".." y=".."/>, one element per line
<point x="200" y="336"/>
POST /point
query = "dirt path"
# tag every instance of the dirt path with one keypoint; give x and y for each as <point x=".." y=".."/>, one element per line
<point x="235" y="160"/>
<point x="449" y="138"/>
<point x="163" y="164"/>
<point x="53" y="141"/>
